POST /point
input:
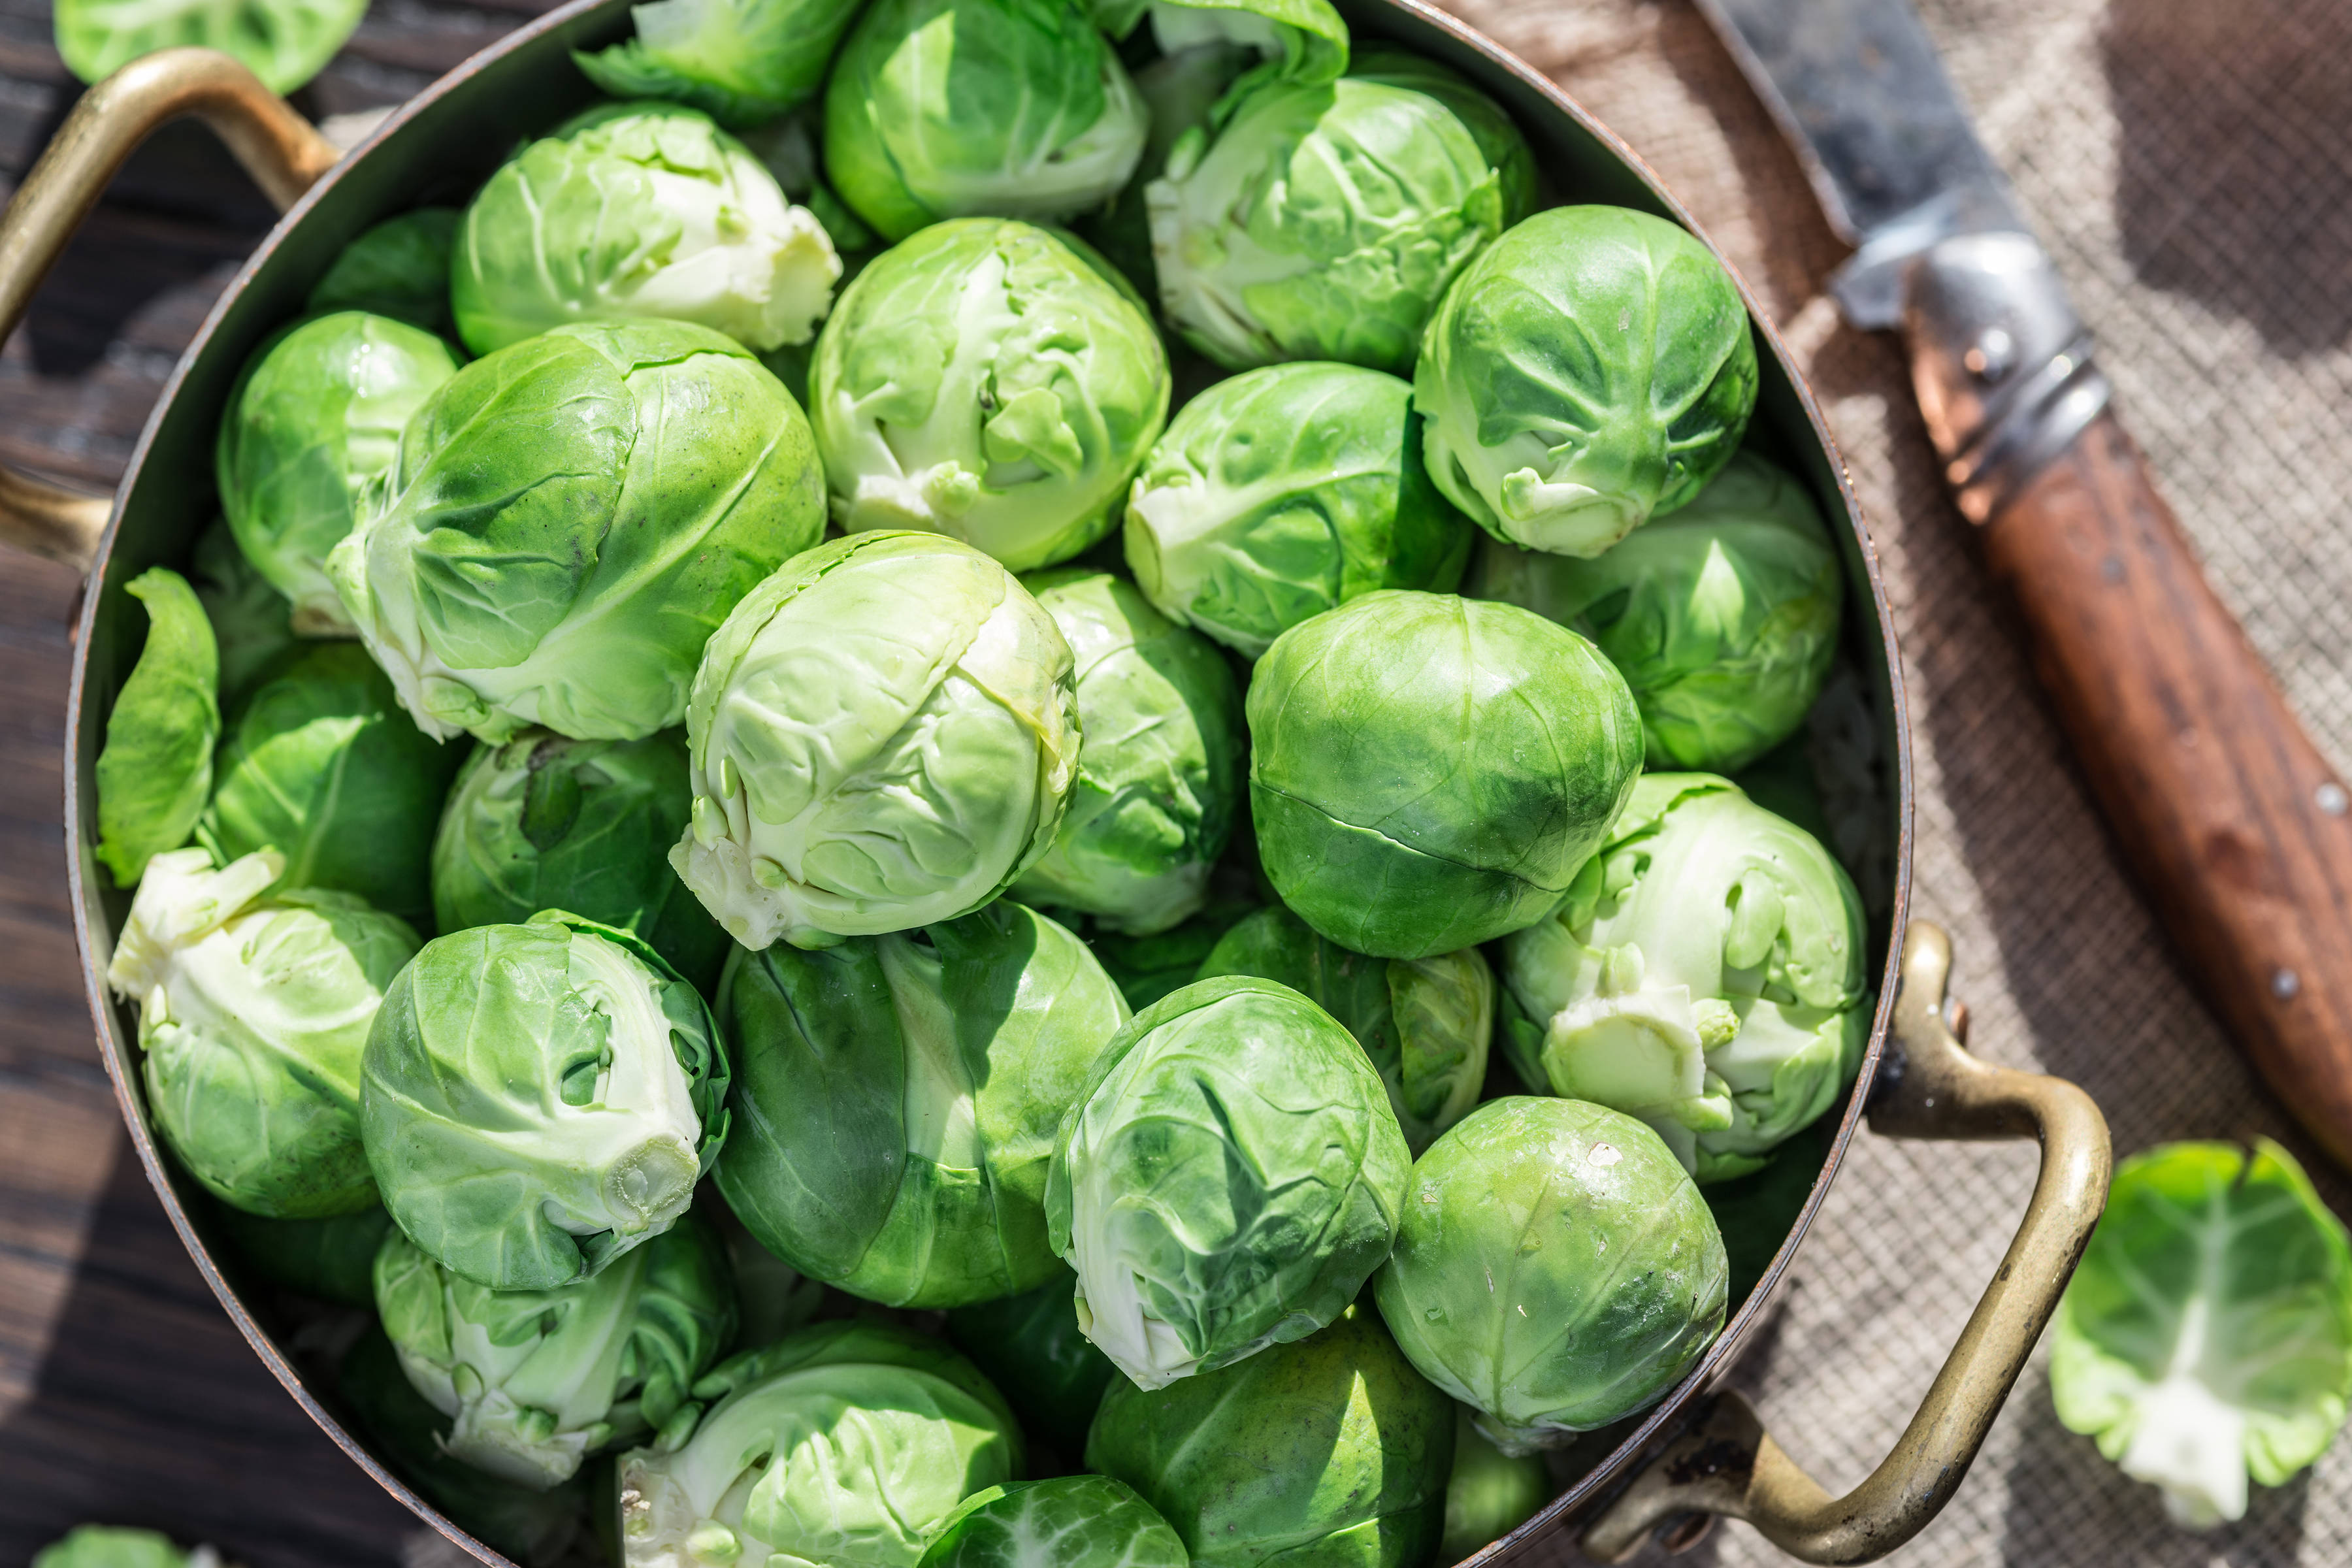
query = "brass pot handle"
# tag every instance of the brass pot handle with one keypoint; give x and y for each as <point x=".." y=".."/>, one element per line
<point x="283" y="152"/>
<point x="1725" y="1463"/>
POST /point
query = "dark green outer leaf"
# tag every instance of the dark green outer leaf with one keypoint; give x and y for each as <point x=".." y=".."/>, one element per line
<point x="1030" y="1345"/>
<point x="157" y="765"/>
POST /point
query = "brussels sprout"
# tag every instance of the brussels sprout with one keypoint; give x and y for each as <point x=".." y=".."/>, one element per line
<point x="1299" y="40"/>
<point x="331" y="1259"/>
<point x="1278" y="495"/>
<point x="985" y="380"/>
<point x="545" y="822"/>
<point x="883" y="736"/>
<point x="1427" y="772"/>
<point x="743" y="62"/>
<point x="283" y="42"/>
<point x="537" y="1380"/>
<point x="941" y="108"/>
<point x="569" y="521"/>
<point x="1229" y="1180"/>
<point x="111" y="1546"/>
<point x="252" y="1013"/>
<point x="1146" y="968"/>
<point x="1489" y="1494"/>
<point x="1704" y="974"/>
<point x="846" y="1444"/>
<point x="1030" y="1345"/>
<point x="2207" y="1334"/>
<point x="1070" y="1521"/>
<point x="537" y="1099"/>
<point x="249" y="617"/>
<point x="1591" y="368"/>
<point x="157" y="765"/>
<point x="1329" y="1450"/>
<point x="639" y="210"/>
<point x="1179" y="91"/>
<point x="1160" y="772"/>
<point x="772" y="1297"/>
<point x="1551" y="1338"/>
<point x="322" y="766"/>
<point x="1496" y="135"/>
<point x="399" y="269"/>
<point x="1424" y="1023"/>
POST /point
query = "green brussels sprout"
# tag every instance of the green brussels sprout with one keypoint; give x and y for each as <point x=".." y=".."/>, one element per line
<point x="322" y="766"/>
<point x="1494" y="131"/>
<point x="1552" y="1339"/>
<point x="1284" y="493"/>
<point x="1030" y="1346"/>
<point x="535" y="1380"/>
<point x="1070" y="1521"/>
<point x="399" y="269"/>
<point x="1179" y="90"/>
<point x="546" y="823"/>
<point x="846" y="1444"/>
<point x="1489" y="1494"/>
<point x="1229" y="1180"/>
<point x="1424" y="1022"/>
<point x="538" y="1100"/>
<point x="1329" y="1450"/>
<point x="1723" y="617"/>
<point x="1159" y="772"/>
<point x="1545" y="437"/>
<point x="249" y="617"/>
<point x="1427" y="772"/>
<point x="637" y="210"/>
<point x="156" y="768"/>
<point x="331" y="1259"/>
<point x="569" y="521"/>
<point x="252" y="1013"/>
<point x="897" y="1100"/>
<point x="1297" y="40"/>
<point x="1146" y="968"/>
<point x="985" y="380"/>
<point x="883" y="736"/>
<point x="772" y="1297"/>
<point x="2207" y="1335"/>
<point x="743" y="62"/>
<point x="112" y="1546"/>
<point x="941" y="108"/>
<point x="1704" y="974"/>
<point x="283" y="42"/>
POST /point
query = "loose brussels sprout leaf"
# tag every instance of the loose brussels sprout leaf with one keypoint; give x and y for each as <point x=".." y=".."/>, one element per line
<point x="157" y="765"/>
<point x="1159" y="770"/>
<point x="546" y="823"/>
<point x="1330" y="1450"/>
<point x="111" y="1546"/>
<point x="1427" y="772"/>
<point x="985" y="380"/>
<point x="743" y="62"/>
<point x="1591" y="368"/>
<point x="1146" y="968"/>
<point x="941" y="109"/>
<point x="1723" y="617"/>
<point x="252" y="1015"/>
<point x="248" y="616"/>
<point x="283" y="42"/>
<point x="1568" y="1337"/>
<point x="1424" y="1023"/>
<point x="1299" y="40"/>
<point x="322" y="766"/>
<point x="1704" y="975"/>
<point x="333" y="1258"/>
<point x="897" y="1099"/>
<point x="1282" y="493"/>
<point x="2207" y="1334"/>
<point x="639" y="210"/>
<point x="1030" y="1345"/>
<point x="847" y="1444"/>
<point x="535" y="1380"/>
<point x="399" y="269"/>
<point x="1228" y="1182"/>
<point x="569" y="521"/>
<point x="1489" y="1494"/>
<point x="883" y="736"/>
<point x="1070" y="1521"/>
<point x="538" y="1100"/>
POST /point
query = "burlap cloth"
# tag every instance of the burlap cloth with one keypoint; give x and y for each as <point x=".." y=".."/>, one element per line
<point x="2189" y="162"/>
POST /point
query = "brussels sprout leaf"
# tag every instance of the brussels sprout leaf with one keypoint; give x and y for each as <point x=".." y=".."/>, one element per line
<point x="157" y="767"/>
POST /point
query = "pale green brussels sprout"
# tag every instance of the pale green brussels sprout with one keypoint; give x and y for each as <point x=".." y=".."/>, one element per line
<point x="249" y="617"/>
<point x="253" y="1011"/>
<point x="156" y="768"/>
<point x="333" y="1258"/>
<point x="1159" y="772"/>
<point x="1425" y="1023"/>
<point x="1284" y="493"/>
<point x="637" y="210"/>
<point x="897" y="1100"/>
<point x="538" y="1100"/>
<point x="1228" y="1182"/>
<point x="283" y="42"/>
<point x="1623" y="1295"/>
<point x="1329" y="1450"/>
<point x="1031" y="1346"/>
<point x="399" y="269"/>
<point x="568" y="522"/>
<point x="1428" y="772"/>
<point x="883" y="736"/>
<point x="2207" y="1336"/>
<point x="846" y="1444"/>
<point x="941" y="108"/>
<point x="1722" y="618"/>
<point x="535" y="1380"/>
<point x="1591" y="369"/>
<point x="546" y="823"/>
<point x="985" y="380"/>
<point x="1069" y="1521"/>
<point x="744" y="62"/>
<point x="113" y="1546"/>
<point x="1704" y="974"/>
<point x="1489" y="1494"/>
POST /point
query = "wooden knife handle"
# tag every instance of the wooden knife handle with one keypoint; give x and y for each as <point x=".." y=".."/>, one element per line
<point x="2237" y="829"/>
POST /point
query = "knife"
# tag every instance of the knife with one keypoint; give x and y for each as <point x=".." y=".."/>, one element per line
<point x="2235" y="826"/>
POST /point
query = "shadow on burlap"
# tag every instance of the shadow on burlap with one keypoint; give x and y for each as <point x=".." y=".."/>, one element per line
<point x="2186" y="164"/>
